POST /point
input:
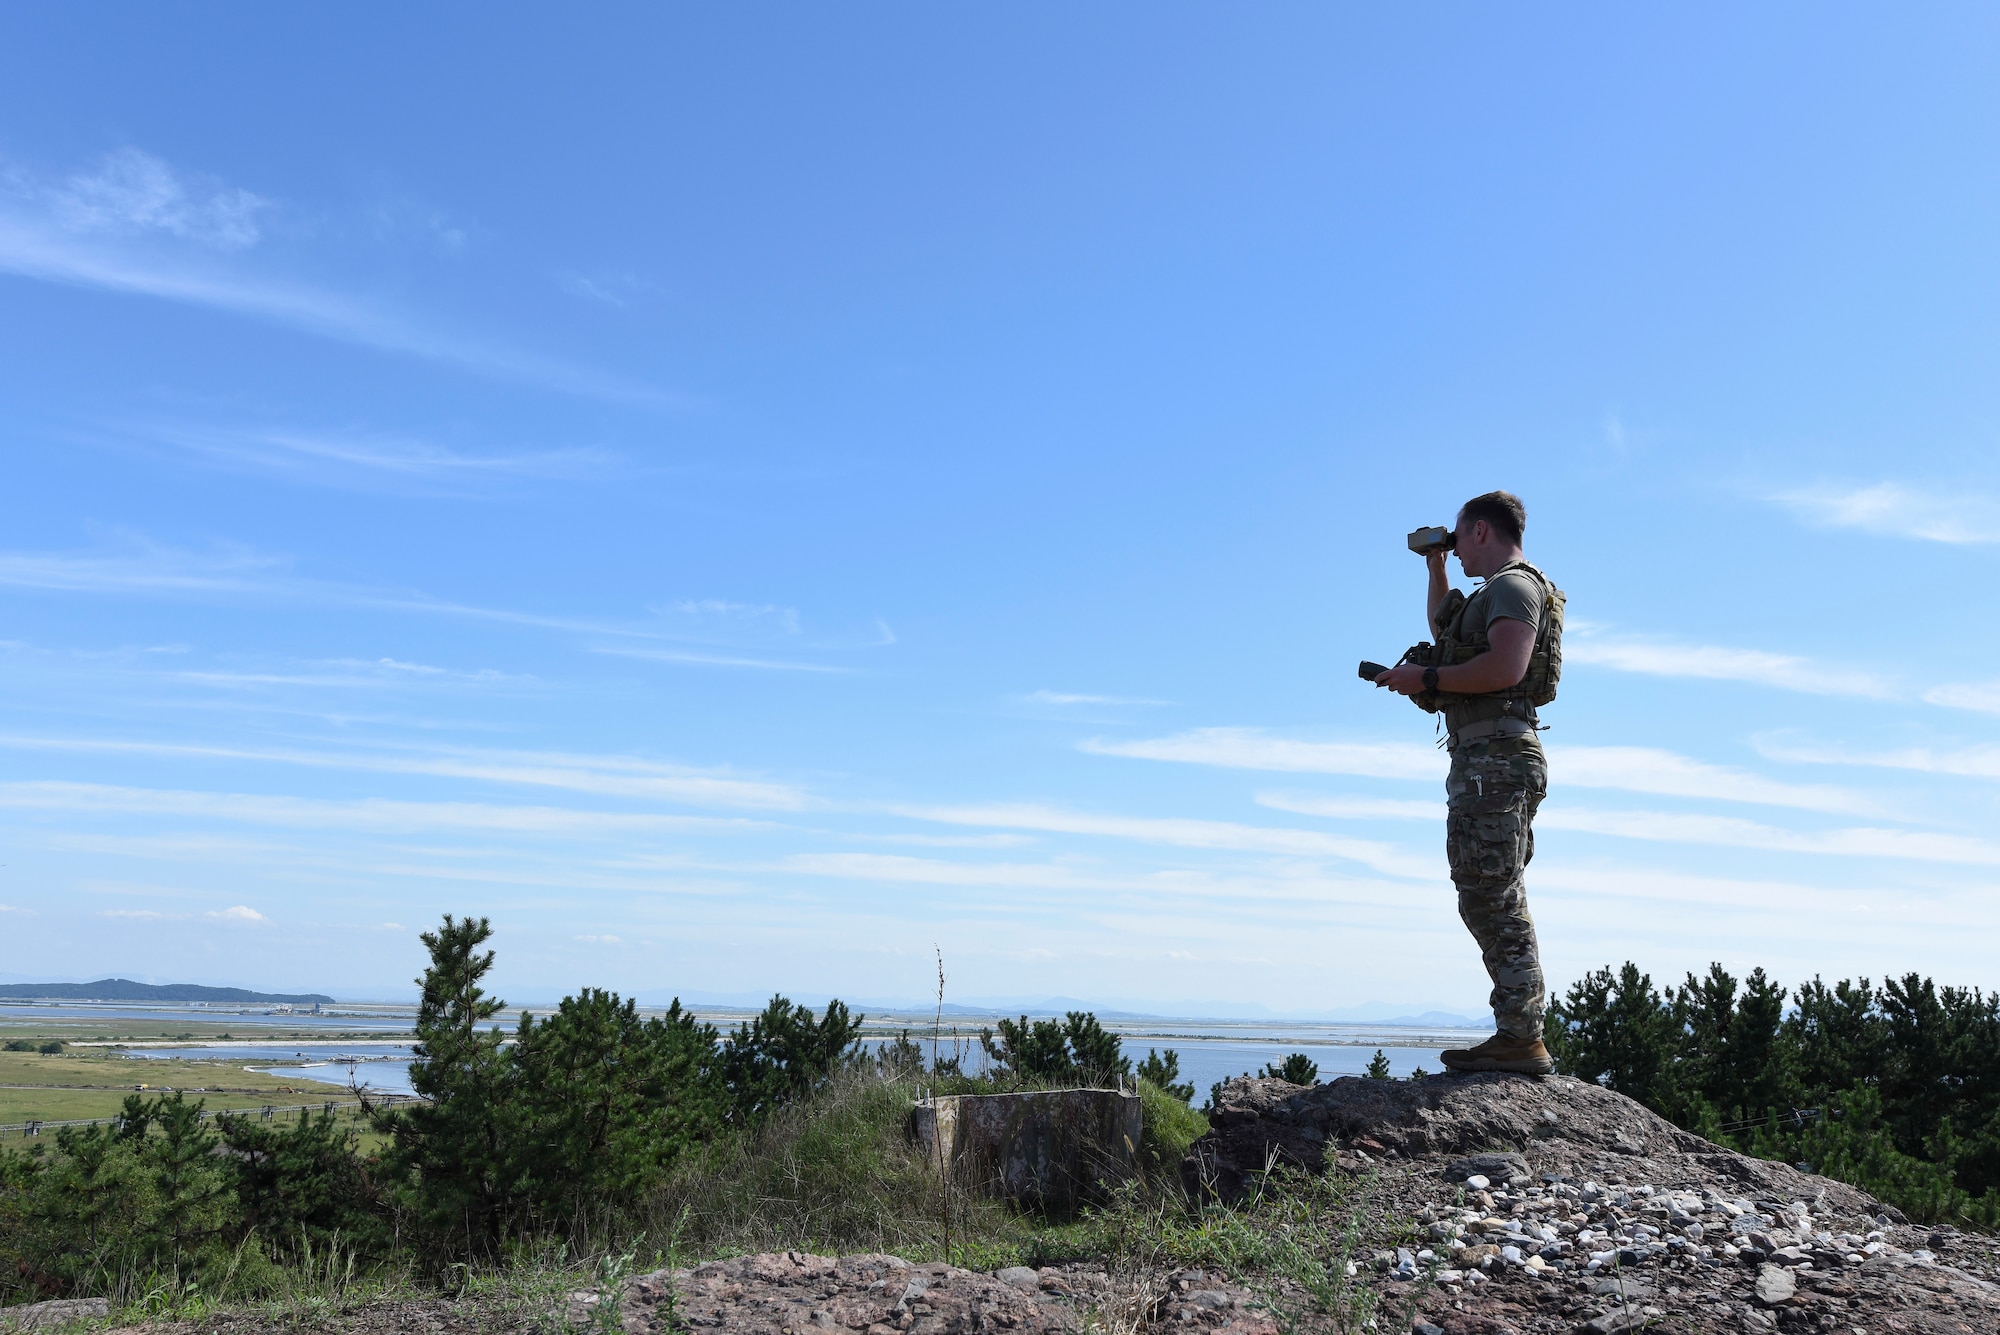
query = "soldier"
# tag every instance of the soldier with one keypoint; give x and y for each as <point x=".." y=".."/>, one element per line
<point x="1497" y="656"/>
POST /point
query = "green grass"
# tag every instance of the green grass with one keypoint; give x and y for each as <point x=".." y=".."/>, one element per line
<point x="90" y="1082"/>
<point x="834" y="1174"/>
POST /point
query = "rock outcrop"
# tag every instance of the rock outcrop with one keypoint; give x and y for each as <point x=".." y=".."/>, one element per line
<point x="52" y="1315"/>
<point x="1554" y="1205"/>
<point x="1574" y="1128"/>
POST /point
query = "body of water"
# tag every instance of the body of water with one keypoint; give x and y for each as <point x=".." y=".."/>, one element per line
<point x="1209" y="1050"/>
<point x="382" y="1068"/>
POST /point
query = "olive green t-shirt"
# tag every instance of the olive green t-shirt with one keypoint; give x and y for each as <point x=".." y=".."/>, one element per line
<point x="1512" y="593"/>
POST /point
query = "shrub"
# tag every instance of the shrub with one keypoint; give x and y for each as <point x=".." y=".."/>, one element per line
<point x="784" y="1054"/>
<point x="1076" y="1050"/>
<point x="1895" y="1089"/>
<point x="1163" y="1072"/>
<point x="1300" y="1069"/>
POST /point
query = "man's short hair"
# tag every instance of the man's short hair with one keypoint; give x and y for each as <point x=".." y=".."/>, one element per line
<point x="1502" y="511"/>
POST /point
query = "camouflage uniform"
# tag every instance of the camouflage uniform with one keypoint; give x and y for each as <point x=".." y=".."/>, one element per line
<point x="1495" y="786"/>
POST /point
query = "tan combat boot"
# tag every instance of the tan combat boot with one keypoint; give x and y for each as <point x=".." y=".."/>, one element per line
<point x="1501" y="1053"/>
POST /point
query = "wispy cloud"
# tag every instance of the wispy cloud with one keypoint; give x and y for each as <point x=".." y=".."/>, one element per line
<point x="1352" y="808"/>
<point x="937" y="871"/>
<point x="1968" y="762"/>
<point x="1895" y="510"/>
<point x="716" y="660"/>
<point x="1071" y="698"/>
<point x="116" y="229"/>
<point x="1668" y="658"/>
<point x="135" y="565"/>
<point x="351" y="673"/>
<point x="363" y="460"/>
<point x="132" y="192"/>
<point x="1186" y="833"/>
<point x="376" y="814"/>
<point x="1632" y="768"/>
<point x="1730" y="832"/>
<point x="1673" y="827"/>
<point x="710" y="611"/>
<point x="1251" y="748"/>
<point x="613" y="289"/>
<point x="236" y="913"/>
<point x="1980" y="696"/>
<point x="140" y="566"/>
<point x="1359" y="902"/>
<point x="1645" y="769"/>
<point x="614" y="776"/>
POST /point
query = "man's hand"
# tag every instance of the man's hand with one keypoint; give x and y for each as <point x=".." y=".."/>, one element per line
<point x="1497" y="669"/>
<point x="1404" y="680"/>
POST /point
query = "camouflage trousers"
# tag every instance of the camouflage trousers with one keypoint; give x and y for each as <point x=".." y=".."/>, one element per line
<point x="1495" y="786"/>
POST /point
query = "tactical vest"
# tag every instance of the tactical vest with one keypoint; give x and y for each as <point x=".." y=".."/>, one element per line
<point x="1458" y="643"/>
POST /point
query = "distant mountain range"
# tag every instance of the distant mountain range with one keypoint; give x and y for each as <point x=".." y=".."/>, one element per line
<point x="124" y="989"/>
<point x="1390" y="1014"/>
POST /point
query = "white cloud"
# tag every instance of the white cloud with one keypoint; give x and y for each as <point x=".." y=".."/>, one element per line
<point x="784" y="619"/>
<point x="1352" y="808"/>
<point x="717" y="660"/>
<point x="936" y="871"/>
<point x="604" y="940"/>
<point x="144" y="567"/>
<point x="1892" y="509"/>
<point x="135" y="913"/>
<point x="237" y="913"/>
<point x="1969" y="762"/>
<point x="131" y="191"/>
<point x="1292" y="885"/>
<point x="382" y="673"/>
<point x="330" y="457"/>
<point x="1250" y="748"/>
<point x="1731" y="832"/>
<point x="112" y="230"/>
<point x="1633" y="768"/>
<point x="613" y="289"/>
<point x="1980" y="696"/>
<point x="132" y="564"/>
<point x="1666" y="658"/>
<point x="1673" y="827"/>
<point x="1644" y="769"/>
<point x="364" y="813"/>
<point x="1070" y="698"/>
<point x="948" y="840"/>
<point x="1188" y="833"/>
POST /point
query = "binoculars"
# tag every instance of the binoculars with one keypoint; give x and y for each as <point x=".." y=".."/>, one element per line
<point x="1424" y="540"/>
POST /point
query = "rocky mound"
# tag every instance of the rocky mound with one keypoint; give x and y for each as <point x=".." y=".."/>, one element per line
<point x="1575" y="1128"/>
<point x="795" y="1293"/>
<point x="1545" y="1205"/>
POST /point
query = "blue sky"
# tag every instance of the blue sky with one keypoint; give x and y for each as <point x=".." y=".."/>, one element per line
<point x="748" y="498"/>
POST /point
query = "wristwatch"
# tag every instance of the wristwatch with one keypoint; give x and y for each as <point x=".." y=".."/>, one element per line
<point x="1430" y="679"/>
